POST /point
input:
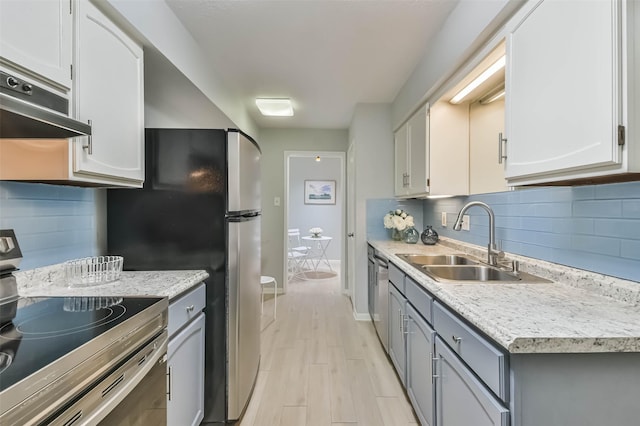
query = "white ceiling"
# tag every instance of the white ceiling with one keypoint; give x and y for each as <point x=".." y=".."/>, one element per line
<point x="326" y="55"/>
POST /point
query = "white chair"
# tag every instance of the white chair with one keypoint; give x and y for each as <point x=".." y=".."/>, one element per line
<point x="295" y="243"/>
<point x="264" y="281"/>
<point x="296" y="255"/>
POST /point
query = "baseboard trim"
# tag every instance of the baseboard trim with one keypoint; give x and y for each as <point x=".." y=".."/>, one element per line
<point x="361" y="317"/>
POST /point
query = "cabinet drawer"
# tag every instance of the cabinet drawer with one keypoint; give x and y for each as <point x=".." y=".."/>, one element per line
<point x="419" y="298"/>
<point x="462" y="399"/>
<point x="185" y="308"/>
<point x="396" y="276"/>
<point x="484" y="358"/>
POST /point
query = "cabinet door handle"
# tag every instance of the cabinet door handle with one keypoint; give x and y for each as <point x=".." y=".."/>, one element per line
<point x="434" y="361"/>
<point x="89" y="145"/>
<point x="169" y="383"/>
<point x="407" y="320"/>
<point x="456" y="339"/>
<point x="190" y="308"/>
<point x="501" y="141"/>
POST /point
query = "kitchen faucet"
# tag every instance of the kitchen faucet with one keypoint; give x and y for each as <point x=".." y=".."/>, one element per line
<point x="493" y="254"/>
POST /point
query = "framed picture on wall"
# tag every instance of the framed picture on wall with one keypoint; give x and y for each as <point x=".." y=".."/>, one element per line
<point x="319" y="191"/>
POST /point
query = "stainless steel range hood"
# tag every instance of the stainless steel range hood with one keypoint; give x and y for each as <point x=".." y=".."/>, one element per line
<point x="28" y="111"/>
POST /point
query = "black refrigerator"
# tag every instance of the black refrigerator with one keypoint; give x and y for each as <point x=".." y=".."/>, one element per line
<point x="200" y="209"/>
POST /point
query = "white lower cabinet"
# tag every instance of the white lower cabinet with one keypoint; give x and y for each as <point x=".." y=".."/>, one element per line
<point x="185" y="364"/>
<point x="419" y="383"/>
<point x="462" y="399"/>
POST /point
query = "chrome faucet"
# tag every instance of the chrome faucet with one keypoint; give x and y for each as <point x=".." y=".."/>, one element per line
<point x="493" y="254"/>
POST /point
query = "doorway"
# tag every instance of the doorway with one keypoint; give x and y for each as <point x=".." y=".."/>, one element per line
<point x="315" y="198"/>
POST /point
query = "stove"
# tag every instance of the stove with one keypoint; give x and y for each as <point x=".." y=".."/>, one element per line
<point x="56" y="351"/>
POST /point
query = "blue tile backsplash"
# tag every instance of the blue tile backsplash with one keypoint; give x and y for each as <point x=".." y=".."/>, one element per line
<point x="52" y="223"/>
<point x="596" y="228"/>
<point x="377" y="208"/>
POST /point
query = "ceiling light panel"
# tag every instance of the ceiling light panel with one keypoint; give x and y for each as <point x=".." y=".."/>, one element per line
<point x="275" y="107"/>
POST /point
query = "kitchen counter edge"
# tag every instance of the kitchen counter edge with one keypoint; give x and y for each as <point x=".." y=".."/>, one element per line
<point x="50" y="282"/>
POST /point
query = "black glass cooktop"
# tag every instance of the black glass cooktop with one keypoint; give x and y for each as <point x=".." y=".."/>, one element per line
<point x="44" y="329"/>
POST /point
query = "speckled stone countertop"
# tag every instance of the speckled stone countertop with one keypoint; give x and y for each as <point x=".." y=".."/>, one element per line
<point x="50" y="281"/>
<point x="579" y="312"/>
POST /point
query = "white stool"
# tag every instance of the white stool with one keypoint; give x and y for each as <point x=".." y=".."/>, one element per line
<point x="266" y="280"/>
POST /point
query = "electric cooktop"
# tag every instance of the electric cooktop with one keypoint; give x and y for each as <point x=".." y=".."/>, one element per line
<point x="45" y="330"/>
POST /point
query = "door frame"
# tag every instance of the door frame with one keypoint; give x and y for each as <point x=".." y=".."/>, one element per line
<point x="351" y="224"/>
<point x="340" y="193"/>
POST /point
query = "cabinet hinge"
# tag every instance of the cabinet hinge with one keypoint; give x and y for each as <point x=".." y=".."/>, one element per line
<point x="71" y="71"/>
<point x="428" y="183"/>
<point x="621" y="135"/>
<point x="70" y="7"/>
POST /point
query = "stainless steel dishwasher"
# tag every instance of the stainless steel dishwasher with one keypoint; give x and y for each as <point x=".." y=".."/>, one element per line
<point x="381" y="299"/>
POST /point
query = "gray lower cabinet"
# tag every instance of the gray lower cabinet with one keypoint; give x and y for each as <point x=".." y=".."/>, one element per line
<point x="397" y="348"/>
<point x="185" y="359"/>
<point x="461" y="399"/>
<point x="420" y="380"/>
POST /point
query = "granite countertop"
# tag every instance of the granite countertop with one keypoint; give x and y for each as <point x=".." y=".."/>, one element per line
<point x="50" y="281"/>
<point x="578" y="312"/>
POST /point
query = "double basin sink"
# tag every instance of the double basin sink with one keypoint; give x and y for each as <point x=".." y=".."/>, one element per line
<point x="458" y="268"/>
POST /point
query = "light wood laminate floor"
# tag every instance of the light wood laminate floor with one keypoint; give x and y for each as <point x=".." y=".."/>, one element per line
<point x="321" y="367"/>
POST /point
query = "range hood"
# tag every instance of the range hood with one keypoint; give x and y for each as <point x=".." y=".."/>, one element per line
<point x="28" y="111"/>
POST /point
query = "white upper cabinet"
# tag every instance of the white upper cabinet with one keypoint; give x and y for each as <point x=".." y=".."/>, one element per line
<point x="566" y="108"/>
<point x="418" y="129"/>
<point x="432" y="152"/>
<point x="401" y="152"/>
<point x="36" y="37"/>
<point x="109" y="91"/>
<point x="412" y="156"/>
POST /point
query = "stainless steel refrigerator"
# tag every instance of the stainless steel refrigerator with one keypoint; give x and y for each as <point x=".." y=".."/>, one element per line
<point x="200" y="209"/>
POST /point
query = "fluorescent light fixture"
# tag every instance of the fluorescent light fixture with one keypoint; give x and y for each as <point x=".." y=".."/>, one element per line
<point x="493" y="98"/>
<point x="435" y="197"/>
<point x="497" y="66"/>
<point x="275" y="107"/>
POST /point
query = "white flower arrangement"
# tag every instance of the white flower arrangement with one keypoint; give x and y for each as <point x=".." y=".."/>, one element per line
<point x="398" y="219"/>
<point x="315" y="231"/>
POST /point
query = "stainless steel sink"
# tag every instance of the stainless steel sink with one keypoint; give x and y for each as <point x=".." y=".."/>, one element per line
<point x="442" y="259"/>
<point x="461" y="269"/>
<point x="478" y="273"/>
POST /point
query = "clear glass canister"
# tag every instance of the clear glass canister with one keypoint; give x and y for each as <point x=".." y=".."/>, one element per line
<point x="411" y="235"/>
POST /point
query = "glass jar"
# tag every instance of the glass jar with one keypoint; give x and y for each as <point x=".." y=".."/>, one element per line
<point x="411" y="235"/>
<point x="429" y="236"/>
<point x="396" y="235"/>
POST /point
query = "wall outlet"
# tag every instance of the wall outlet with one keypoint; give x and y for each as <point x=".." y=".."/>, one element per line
<point x="443" y="219"/>
<point x="276" y="201"/>
<point x="466" y="222"/>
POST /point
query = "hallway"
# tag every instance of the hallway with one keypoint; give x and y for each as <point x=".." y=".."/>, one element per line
<point x="321" y="367"/>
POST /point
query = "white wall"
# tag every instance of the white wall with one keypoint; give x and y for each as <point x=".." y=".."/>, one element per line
<point x="274" y="142"/>
<point x="372" y="135"/>
<point x="326" y="216"/>
<point x="172" y="101"/>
